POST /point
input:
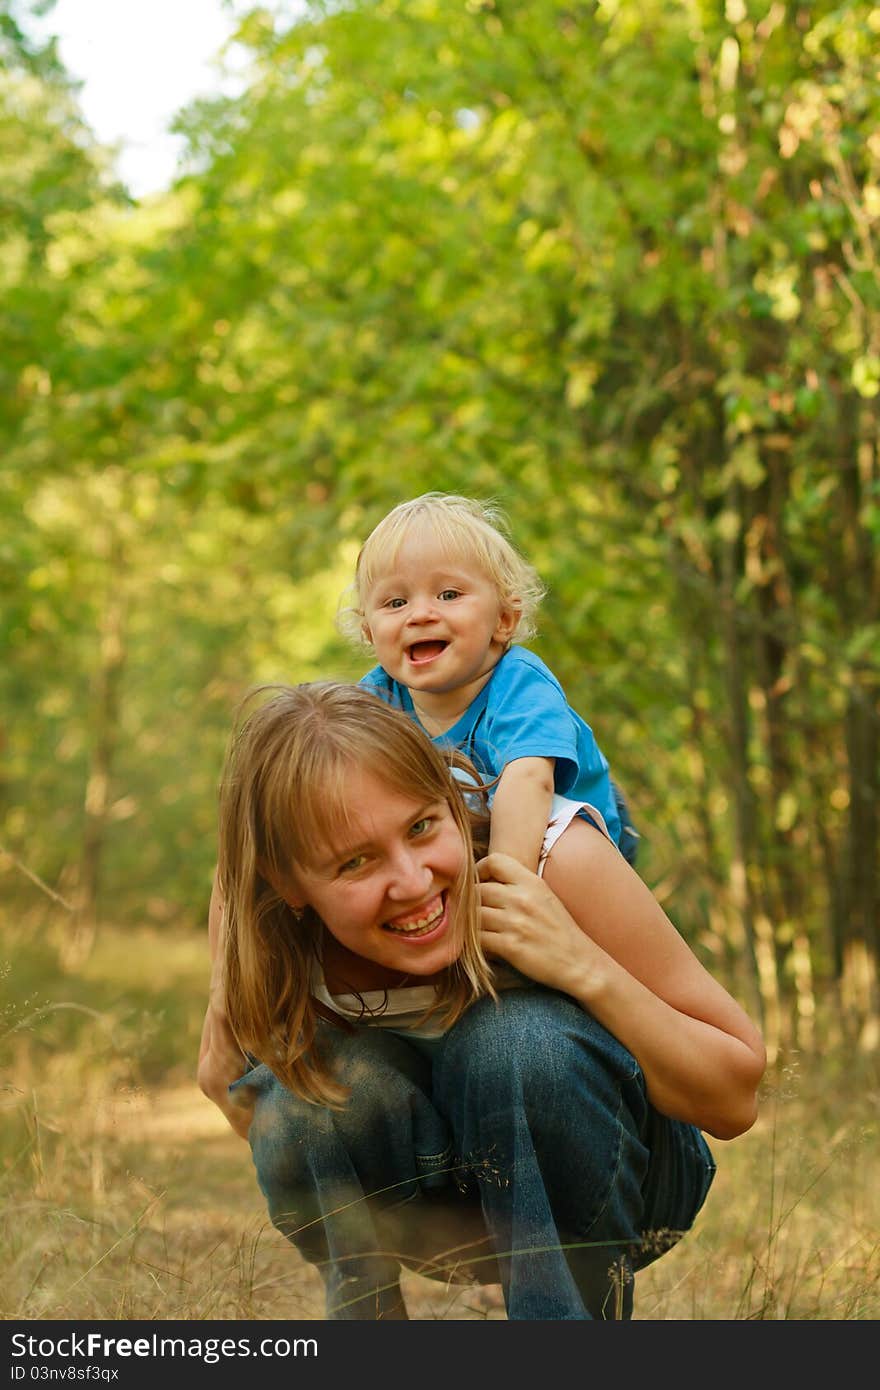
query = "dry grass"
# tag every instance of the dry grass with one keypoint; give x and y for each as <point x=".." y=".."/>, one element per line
<point x="791" y="1227"/>
<point x="130" y="1199"/>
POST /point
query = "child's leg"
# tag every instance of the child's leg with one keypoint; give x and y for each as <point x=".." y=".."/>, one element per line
<point x="682" y="1167"/>
<point x="563" y="860"/>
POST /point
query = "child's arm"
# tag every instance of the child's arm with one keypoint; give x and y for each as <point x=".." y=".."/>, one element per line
<point x="520" y="810"/>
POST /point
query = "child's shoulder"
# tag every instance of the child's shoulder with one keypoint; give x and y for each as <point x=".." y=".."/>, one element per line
<point x="380" y="683"/>
<point x="518" y="663"/>
<point x="377" y="677"/>
<point x="520" y="656"/>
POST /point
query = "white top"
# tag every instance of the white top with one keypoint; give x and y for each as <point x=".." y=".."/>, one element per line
<point x="398" y="1008"/>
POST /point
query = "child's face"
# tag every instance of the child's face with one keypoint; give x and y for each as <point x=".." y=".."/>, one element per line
<point x="386" y="888"/>
<point x="436" y="622"/>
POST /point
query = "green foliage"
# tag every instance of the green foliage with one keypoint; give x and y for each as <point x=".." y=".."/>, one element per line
<point x="614" y="265"/>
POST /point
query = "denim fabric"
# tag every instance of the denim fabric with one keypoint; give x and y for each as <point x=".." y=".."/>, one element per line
<point x="628" y="844"/>
<point x="525" y="1151"/>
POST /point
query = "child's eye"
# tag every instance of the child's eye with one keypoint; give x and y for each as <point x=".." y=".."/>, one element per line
<point x="394" y="603"/>
<point x="448" y="594"/>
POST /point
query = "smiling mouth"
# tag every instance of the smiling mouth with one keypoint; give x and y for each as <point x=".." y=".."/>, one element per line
<point x="421" y="652"/>
<point x="425" y="921"/>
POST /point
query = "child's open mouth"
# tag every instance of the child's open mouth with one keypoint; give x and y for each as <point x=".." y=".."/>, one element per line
<point x="422" y="652"/>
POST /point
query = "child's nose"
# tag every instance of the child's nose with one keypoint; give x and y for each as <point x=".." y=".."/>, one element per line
<point x="421" y="608"/>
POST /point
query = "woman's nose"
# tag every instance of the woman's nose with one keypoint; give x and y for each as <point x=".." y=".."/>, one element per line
<point x="410" y="877"/>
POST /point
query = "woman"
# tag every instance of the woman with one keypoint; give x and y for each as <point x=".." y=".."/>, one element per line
<point x="440" y="1065"/>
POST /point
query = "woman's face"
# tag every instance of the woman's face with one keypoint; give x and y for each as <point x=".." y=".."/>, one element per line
<point x="386" y="890"/>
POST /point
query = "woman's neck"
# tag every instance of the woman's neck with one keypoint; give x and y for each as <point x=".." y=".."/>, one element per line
<point x="347" y="973"/>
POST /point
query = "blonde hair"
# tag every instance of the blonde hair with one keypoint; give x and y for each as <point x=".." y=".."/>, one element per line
<point x="282" y="801"/>
<point x="467" y="529"/>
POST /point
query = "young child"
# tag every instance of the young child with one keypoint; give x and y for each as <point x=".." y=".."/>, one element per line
<point x="440" y="593"/>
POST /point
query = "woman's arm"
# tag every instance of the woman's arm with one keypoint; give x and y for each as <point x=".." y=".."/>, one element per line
<point x="221" y="1060"/>
<point x="606" y="941"/>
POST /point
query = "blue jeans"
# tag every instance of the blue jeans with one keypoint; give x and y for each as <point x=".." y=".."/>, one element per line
<point x="521" y="1148"/>
<point x="628" y="844"/>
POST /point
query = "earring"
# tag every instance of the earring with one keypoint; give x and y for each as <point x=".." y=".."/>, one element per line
<point x="298" y="912"/>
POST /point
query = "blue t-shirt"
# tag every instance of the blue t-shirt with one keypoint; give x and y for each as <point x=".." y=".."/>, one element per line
<point x="522" y="712"/>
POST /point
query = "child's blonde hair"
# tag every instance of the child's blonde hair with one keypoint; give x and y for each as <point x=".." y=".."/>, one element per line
<point x="466" y="529"/>
<point x="282" y="801"/>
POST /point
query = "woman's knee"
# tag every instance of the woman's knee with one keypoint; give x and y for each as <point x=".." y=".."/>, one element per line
<point x="284" y="1130"/>
<point x="538" y="1041"/>
<point x="552" y="1098"/>
<point x="386" y="1128"/>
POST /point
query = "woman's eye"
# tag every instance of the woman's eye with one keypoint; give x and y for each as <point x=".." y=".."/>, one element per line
<point x="352" y="865"/>
<point x="420" y="827"/>
<point x="448" y="594"/>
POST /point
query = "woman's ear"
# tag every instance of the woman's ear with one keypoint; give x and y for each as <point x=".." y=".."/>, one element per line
<point x="293" y="895"/>
<point x="288" y="890"/>
<point x="295" y="901"/>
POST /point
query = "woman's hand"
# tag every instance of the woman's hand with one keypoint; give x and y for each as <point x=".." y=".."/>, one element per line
<point x="221" y="1061"/>
<point x="595" y="931"/>
<point x="525" y="924"/>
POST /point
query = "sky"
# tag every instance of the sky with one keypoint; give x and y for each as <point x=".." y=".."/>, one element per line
<point x="140" y="61"/>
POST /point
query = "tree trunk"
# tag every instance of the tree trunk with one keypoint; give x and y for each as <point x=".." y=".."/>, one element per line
<point x="108" y="681"/>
